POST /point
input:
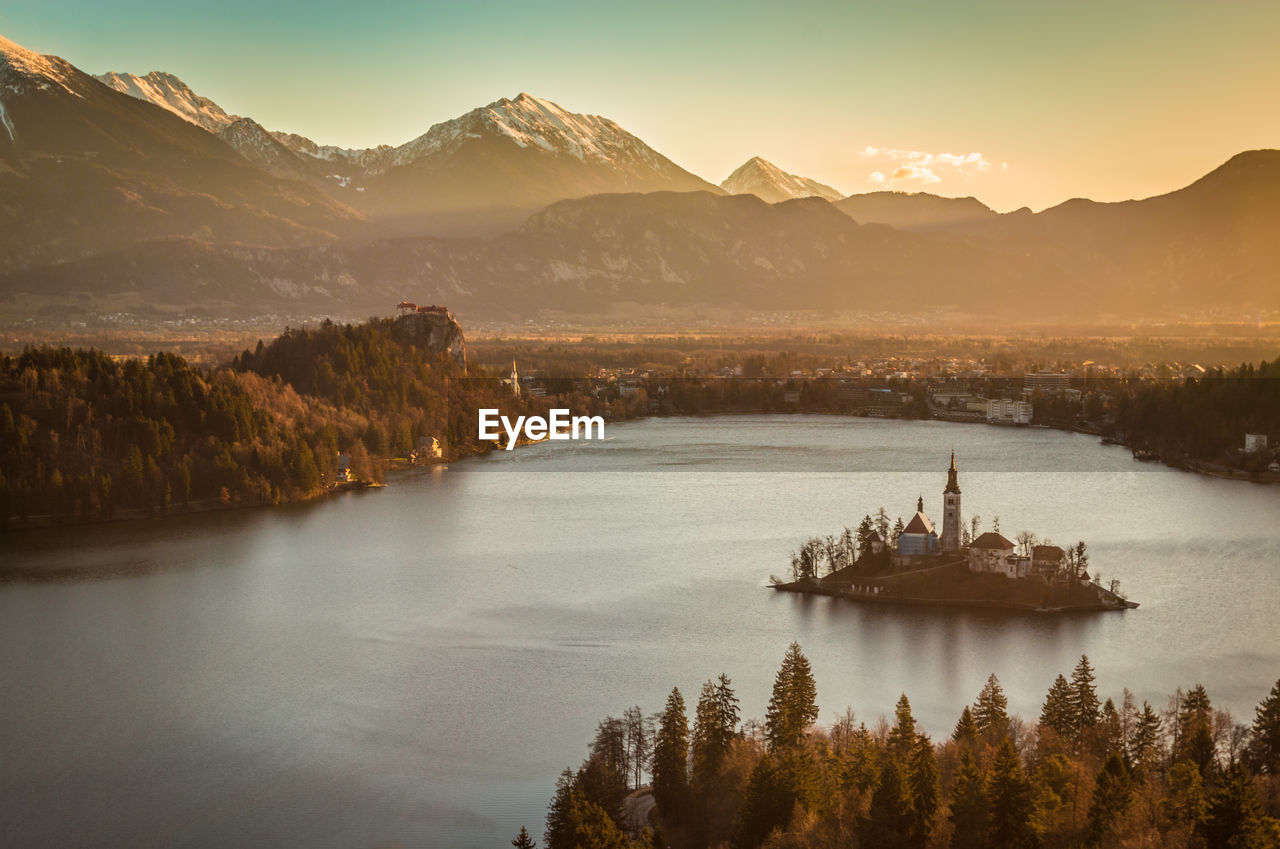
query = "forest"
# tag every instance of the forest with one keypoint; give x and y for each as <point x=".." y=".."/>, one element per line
<point x="1089" y="772"/>
<point x="1201" y="418"/>
<point x="87" y="437"/>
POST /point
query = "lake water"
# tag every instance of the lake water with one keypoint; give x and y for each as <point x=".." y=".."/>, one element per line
<point x="414" y="666"/>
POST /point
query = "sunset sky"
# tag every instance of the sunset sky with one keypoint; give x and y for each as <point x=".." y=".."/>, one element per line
<point x="1017" y="103"/>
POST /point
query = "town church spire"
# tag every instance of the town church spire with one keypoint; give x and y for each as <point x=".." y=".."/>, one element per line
<point x="953" y="485"/>
<point x="951" y="510"/>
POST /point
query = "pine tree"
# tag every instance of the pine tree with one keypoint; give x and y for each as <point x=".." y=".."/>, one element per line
<point x="1264" y="748"/>
<point x="1234" y="818"/>
<point x="1112" y="794"/>
<point x="1011" y="807"/>
<point x="970" y="808"/>
<point x="865" y="528"/>
<point x="902" y="737"/>
<point x="792" y="707"/>
<point x="523" y="840"/>
<point x="1112" y="735"/>
<point x="922" y="780"/>
<point x="670" y="759"/>
<point x="767" y="803"/>
<point x="727" y="704"/>
<point x="1193" y="737"/>
<point x="990" y="712"/>
<point x="1144" y="749"/>
<point x="889" y="819"/>
<point x="1084" y="698"/>
<point x="1058" y="714"/>
<point x="559" y="833"/>
<point x="714" y="727"/>
<point x="966" y="731"/>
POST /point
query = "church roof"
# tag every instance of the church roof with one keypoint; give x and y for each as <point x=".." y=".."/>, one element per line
<point x="919" y="524"/>
<point x="991" y="539"/>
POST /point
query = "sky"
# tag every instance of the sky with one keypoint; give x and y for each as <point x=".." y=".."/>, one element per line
<point x="1017" y="103"/>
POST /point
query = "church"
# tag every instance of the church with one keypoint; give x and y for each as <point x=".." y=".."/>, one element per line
<point x="920" y="539"/>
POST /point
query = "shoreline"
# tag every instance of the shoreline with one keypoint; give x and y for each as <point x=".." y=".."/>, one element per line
<point x="916" y="601"/>
<point x="400" y="465"/>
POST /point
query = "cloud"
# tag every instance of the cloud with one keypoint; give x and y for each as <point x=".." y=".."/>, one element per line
<point x="923" y="167"/>
<point x="914" y="173"/>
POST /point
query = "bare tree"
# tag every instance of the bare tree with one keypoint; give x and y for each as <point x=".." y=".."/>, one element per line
<point x="1026" y="541"/>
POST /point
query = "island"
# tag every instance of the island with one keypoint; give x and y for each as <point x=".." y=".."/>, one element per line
<point x="911" y="564"/>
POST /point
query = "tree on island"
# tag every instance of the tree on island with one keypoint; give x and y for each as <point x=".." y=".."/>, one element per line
<point x="898" y="528"/>
<point x="865" y="528"/>
<point x="1026" y="541"/>
<point x="882" y="523"/>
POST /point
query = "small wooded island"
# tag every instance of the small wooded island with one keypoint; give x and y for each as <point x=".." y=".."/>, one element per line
<point x="911" y="564"/>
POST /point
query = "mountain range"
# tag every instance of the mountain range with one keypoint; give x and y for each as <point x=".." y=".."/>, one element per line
<point x="126" y="192"/>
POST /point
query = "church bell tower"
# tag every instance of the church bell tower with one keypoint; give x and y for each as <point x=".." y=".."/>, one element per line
<point x="951" y="510"/>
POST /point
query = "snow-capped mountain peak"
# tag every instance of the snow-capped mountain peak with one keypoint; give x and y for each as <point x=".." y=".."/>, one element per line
<point x="170" y="93"/>
<point x="20" y="67"/>
<point x="533" y="122"/>
<point x="760" y="177"/>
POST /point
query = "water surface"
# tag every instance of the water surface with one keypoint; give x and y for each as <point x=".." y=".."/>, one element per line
<point x="414" y="666"/>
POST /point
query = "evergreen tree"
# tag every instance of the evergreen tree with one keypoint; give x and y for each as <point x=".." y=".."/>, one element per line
<point x="792" y="707"/>
<point x="1011" y="807"/>
<point x="1264" y="738"/>
<point x="1234" y="818"/>
<point x="1112" y="794"/>
<point x="523" y="840"/>
<point x="889" y="820"/>
<point x="922" y="779"/>
<point x="670" y="759"/>
<point x="715" y="726"/>
<point x="1084" y="698"/>
<point x="970" y="809"/>
<point x="767" y="803"/>
<point x="1193" y="737"/>
<point x="704" y="742"/>
<point x="1058" y="713"/>
<point x="559" y="833"/>
<point x="898" y="528"/>
<point x="966" y="731"/>
<point x="1144" y="749"/>
<point x="865" y="528"/>
<point x="1112" y="734"/>
<point x="990" y="712"/>
<point x="592" y="827"/>
<point x="902" y="737"/>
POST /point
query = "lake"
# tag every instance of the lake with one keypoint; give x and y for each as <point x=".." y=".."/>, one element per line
<point x="414" y="666"/>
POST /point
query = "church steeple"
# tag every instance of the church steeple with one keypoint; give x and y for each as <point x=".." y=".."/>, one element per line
<point x="920" y="504"/>
<point x="952" y="484"/>
<point x="951" y="510"/>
